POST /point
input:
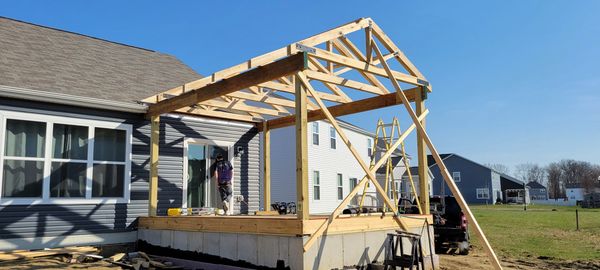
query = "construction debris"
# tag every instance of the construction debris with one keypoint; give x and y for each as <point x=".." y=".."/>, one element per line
<point x="26" y="254"/>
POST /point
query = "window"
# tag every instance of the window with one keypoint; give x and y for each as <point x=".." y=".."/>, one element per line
<point x="483" y="193"/>
<point x="353" y="183"/>
<point x="332" y="134"/>
<point x="63" y="160"/>
<point x="316" y="185"/>
<point x="456" y="177"/>
<point x="369" y="147"/>
<point x="340" y="186"/>
<point x="315" y="133"/>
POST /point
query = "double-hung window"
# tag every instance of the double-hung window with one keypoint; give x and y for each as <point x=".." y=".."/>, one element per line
<point x="369" y="147"/>
<point x="483" y="193"/>
<point x="340" y="186"/>
<point x="51" y="159"/>
<point x="315" y="133"/>
<point x="332" y="135"/>
<point x="316" y="185"/>
<point x="456" y="177"/>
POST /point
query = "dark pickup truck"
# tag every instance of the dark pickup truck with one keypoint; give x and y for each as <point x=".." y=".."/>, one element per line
<point x="450" y="225"/>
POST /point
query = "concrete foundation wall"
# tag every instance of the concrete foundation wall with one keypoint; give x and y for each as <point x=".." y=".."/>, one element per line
<point x="329" y="252"/>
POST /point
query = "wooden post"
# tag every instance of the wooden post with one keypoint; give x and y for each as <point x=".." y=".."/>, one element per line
<point x="302" y="208"/>
<point x="422" y="157"/>
<point x="267" y="166"/>
<point x="153" y="185"/>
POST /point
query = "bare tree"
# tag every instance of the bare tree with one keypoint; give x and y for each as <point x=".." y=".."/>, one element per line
<point x="555" y="186"/>
<point x="531" y="172"/>
<point x="498" y="167"/>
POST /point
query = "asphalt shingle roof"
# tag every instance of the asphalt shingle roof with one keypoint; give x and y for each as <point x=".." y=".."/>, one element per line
<point x="46" y="59"/>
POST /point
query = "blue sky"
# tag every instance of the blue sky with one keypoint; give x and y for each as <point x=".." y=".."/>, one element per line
<point x="514" y="81"/>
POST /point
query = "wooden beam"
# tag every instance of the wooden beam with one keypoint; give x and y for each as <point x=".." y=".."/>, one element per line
<point x="265" y="98"/>
<point x="443" y="170"/>
<point x="364" y="66"/>
<point x="323" y="77"/>
<point x="422" y="160"/>
<point x="153" y="184"/>
<point x="268" y="72"/>
<point x="347" y="108"/>
<point x="302" y="205"/>
<point x="390" y="46"/>
<point x="239" y="105"/>
<point x="212" y="113"/>
<point x="266" y="167"/>
<point x="290" y="89"/>
<point x="314" y="64"/>
<point x="348" y="48"/>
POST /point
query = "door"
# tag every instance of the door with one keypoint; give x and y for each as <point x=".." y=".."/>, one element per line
<point x="200" y="189"/>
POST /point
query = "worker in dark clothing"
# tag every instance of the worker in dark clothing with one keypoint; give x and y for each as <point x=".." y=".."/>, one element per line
<point x="223" y="172"/>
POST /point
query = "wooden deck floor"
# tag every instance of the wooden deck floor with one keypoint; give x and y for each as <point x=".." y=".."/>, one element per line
<point x="287" y="225"/>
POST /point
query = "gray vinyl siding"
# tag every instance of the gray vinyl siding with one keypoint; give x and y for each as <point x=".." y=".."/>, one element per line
<point x="21" y="221"/>
<point x="473" y="176"/>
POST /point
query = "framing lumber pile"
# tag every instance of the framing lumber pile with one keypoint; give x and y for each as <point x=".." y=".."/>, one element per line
<point x="317" y="78"/>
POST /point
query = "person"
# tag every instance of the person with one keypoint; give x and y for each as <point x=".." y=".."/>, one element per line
<point x="223" y="172"/>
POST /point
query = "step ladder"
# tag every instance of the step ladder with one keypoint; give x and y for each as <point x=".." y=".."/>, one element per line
<point x="395" y="251"/>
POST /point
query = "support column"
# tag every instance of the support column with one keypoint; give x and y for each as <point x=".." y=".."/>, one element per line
<point x="153" y="185"/>
<point x="422" y="156"/>
<point x="302" y="208"/>
<point x="266" y="166"/>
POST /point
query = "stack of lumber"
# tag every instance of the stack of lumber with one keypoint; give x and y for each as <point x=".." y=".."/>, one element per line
<point x="30" y="254"/>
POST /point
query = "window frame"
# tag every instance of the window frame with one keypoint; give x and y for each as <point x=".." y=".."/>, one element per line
<point x="332" y="138"/>
<point x="48" y="158"/>
<point x="454" y="174"/>
<point x="340" y="186"/>
<point x="369" y="147"/>
<point x="487" y="193"/>
<point x="316" y="185"/>
<point x="315" y="132"/>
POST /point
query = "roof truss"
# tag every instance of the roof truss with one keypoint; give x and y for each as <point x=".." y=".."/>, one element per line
<point x="262" y="88"/>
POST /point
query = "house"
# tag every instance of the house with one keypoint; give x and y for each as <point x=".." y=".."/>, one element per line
<point x="406" y="189"/>
<point x="333" y="171"/>
<point x="537" y="191"/>
<point x="513" y="190"/>
<point x="478" y="184"/>
<point x="75" y="143"/>
<point x="576" y="191"/>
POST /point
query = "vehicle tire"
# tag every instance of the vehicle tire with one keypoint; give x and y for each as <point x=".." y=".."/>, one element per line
<point x="463" y="248"/>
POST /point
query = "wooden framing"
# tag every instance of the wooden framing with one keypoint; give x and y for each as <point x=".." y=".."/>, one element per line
<point x="266" y="143"/>
<point x="260" y="89"/>
<point x="153" y="184"/>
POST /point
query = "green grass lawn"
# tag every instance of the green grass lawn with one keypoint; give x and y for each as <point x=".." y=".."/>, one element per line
<point x="539" y="231"/>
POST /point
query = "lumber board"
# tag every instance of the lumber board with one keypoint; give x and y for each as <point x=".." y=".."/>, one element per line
<point x="391" y="46"/>
<point x="266" y="167"/>
<point x="26" y="254"/>
<point x="302" y="197"/>
<point x="268" y="72"/>
<point x="347" y="108"/>
<point x="154" y="154"/>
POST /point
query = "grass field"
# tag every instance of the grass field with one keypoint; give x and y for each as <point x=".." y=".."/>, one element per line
<point x="540" y="232"/>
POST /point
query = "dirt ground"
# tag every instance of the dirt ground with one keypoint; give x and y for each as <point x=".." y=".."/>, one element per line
<point x="55" y="262"/>
<point x="478" y="260"/>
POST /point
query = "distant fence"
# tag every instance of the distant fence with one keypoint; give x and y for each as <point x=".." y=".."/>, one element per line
<point x="559" y="202"/>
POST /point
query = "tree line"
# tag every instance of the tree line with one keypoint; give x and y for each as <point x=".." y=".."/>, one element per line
<point x="556" y="176"/>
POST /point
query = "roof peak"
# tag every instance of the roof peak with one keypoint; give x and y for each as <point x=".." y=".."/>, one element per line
<point x="75" y="33"/>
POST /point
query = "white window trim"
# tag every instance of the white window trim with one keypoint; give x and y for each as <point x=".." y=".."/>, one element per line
<point x="50" y="120"/>
<point x="340" y="184"/>
<point x="186" y="145"/>
<point x="370" y="151"/>
<point x="316" y="185"/>
<point x="487" y="193"/>
<point x="454" y="174"/>
<point x="332" y="136"/>
<point x="315" y="132"/>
